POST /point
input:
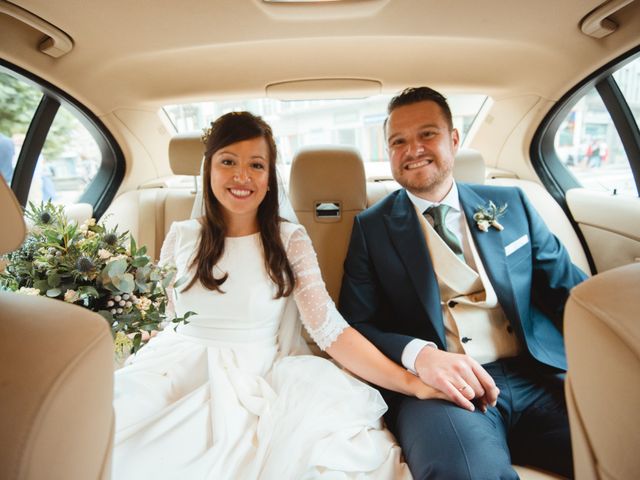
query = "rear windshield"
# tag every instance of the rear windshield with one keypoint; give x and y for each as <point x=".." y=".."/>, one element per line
<point x="351" y="122"/>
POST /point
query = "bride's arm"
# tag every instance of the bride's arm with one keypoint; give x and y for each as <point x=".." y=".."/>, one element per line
<point x="334" y="335"/>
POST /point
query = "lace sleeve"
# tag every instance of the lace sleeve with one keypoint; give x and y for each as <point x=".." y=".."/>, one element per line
<point x="167" y="258"/>
<point x="319" y="314"/>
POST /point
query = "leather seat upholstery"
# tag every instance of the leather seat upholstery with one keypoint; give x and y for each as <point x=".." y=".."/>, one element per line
<point x="147" y="213"/>
<point x="327" y="190"/>
<point x="56" y="380"/>
<point x="602" y="337"/>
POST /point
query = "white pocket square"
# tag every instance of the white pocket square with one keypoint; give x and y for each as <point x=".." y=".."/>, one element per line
<point x="516" y="244"/>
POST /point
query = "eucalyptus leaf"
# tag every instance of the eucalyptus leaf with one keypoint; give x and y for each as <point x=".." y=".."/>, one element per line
<point x="140" y="261"/>
<point x="166" y="281"/>
<point x="142" y="273"/>
<point x="183" y="279"/>
<point x="116" y="268"/>
<point x="53" y="292"/>
<point x="125" y="283"/>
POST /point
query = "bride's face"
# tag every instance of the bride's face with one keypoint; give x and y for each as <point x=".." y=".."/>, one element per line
<point x="240" y="176"/>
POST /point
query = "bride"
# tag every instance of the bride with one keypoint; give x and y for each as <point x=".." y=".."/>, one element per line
<point x="234" y="393"/>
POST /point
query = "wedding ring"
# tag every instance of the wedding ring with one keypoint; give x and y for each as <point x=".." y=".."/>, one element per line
<point x="463" y="388"/>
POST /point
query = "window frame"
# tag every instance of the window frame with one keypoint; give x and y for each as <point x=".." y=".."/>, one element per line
<point x="104" y="186"/>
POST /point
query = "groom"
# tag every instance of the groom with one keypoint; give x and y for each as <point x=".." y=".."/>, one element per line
<point x="465" y="286"/>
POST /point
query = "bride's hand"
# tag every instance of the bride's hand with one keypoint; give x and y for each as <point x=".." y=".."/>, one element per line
<point x="423" y="391"/>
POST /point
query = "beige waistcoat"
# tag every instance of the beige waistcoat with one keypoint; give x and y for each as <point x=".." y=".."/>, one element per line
<point x="473" y="319"/>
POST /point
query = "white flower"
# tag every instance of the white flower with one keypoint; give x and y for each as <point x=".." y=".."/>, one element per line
<point x="104" y="254"/>
<point x="143" y="304"/>
<point x="71" y="296"/>
<point x="498" y="226"/>
<point x="28" y="291"/>
<point x="486" y="217"/>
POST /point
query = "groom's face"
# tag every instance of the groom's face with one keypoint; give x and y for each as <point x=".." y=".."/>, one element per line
<point x="422" y="148"/>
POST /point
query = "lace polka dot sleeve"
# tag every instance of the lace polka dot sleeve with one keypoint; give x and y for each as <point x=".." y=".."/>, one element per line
<point x="167" y="258"/>
<point x="318" y="312"/>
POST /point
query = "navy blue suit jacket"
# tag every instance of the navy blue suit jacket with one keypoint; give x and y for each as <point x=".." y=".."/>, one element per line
<point x="390" y="292"/>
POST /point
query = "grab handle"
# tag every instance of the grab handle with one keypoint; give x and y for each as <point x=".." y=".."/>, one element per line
<point x="596" y="24"/>
<point x="56" y="43"/>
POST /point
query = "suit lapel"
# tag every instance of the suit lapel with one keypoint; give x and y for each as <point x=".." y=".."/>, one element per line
<point x="490" y="247"/>
<point x="407" y="237"/>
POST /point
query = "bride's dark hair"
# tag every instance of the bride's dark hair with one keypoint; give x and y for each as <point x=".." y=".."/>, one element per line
<point x="232" y="128"/>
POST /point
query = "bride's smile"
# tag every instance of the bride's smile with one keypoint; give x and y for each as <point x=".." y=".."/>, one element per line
<point x="240" y="178"/>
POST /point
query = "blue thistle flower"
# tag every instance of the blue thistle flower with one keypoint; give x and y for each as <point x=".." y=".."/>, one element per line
<point x="45" y="218"/>
<point x="110" y="239"/>
<point x="84" y="265"/>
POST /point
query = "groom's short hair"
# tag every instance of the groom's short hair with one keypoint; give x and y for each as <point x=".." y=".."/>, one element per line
<point x="413" y="95"/>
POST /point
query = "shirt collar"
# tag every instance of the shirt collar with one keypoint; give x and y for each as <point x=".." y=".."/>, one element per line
<point x="451" y="199"/>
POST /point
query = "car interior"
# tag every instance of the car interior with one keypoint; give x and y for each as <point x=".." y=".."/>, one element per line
<point x="104" y="105"/>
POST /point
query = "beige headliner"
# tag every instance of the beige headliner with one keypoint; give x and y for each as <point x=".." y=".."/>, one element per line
<point x="153" y="52"/>
<point x="131" y="57"/>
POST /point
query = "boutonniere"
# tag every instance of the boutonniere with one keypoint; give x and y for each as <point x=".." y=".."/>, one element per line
<point x="486" y="217"/>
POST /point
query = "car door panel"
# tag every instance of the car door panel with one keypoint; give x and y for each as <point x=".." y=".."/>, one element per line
<point x="610" y="225"/>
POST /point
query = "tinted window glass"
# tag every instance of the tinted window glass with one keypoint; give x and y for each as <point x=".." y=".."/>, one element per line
<point x="71" y="157"/>
<point x="588" y="144"/>
<point x="18" y="103"/>
<point x="69" y="161"/>
<point x="628" y="80"/>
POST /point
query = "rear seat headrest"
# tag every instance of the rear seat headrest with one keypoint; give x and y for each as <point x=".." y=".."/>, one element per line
<point x="185" y="154"/>
<point x="14" y="229"/>
<point x="326" y="174"/>
<point x="469" y="166"/>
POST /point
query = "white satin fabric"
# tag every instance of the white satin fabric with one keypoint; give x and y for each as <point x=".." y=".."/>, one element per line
<point x="234" y="394"/>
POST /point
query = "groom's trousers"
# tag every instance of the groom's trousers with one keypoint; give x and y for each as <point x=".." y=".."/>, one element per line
<point x="528" y="426"/>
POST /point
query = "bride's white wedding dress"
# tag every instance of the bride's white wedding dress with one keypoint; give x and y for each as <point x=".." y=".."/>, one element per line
<point x="235" y="394"/>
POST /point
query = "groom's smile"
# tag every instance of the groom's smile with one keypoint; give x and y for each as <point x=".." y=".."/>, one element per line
<point x="421" y="149"/>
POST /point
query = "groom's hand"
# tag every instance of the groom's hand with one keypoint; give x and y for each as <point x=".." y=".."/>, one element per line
<point x="458" y="376"/>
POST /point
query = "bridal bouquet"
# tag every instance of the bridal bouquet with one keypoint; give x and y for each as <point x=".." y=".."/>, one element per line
<point x="92" y="266"/>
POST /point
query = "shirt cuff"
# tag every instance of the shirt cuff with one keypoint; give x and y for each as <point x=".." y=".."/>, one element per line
<point x="411" y="351"/>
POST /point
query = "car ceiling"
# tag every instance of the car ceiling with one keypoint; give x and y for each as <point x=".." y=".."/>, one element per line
<point x="150" y="52"/>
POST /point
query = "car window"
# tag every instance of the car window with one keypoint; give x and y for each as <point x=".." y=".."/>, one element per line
<point x="68" y="163"/>
<point x="588" y="143"/>
<point x="350" y="122"/>
<point x="18" y="103"/>
<point x="70" y="158"/>
<point x="628" y="80"/>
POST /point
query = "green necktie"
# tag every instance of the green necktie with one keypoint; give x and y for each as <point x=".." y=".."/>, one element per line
<point x="439" y="215"/>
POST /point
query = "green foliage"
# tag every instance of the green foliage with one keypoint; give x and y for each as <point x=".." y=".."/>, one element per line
<point x="18" y="102"/>
<point x="90" y="266"/>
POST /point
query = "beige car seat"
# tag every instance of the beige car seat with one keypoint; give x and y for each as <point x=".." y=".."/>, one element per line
<point x="327" y="190"/>
<point x="56" y="380"/>
<point x="148" y="212"/>
<point x="602" y="337"/>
